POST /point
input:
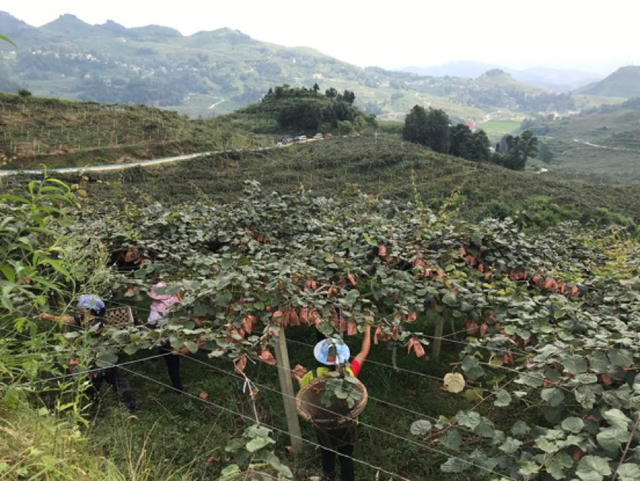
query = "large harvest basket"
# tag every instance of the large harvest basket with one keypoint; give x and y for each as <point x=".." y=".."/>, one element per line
<point x="119" y="317"/>
<point x="335" y="425"/>
<point x="310" y="407"/>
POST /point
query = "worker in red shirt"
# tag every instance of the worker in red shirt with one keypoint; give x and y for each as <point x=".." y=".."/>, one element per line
<point x="332" y="352"/>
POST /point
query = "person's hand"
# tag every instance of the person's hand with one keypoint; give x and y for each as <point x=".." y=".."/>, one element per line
<point x="298" y="372"/>
<point x="45" y="316"/>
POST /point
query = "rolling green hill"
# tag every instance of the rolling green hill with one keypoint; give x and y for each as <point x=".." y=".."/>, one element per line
<point x="62" y="133"/>
<point x="217" y="72"/>
<point x="602" y="142"/>
<point x="383" y="166"/>
<point x="624" y="82"/>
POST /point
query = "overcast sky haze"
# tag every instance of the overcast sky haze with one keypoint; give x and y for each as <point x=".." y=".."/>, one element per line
<point x="591" y="36"/>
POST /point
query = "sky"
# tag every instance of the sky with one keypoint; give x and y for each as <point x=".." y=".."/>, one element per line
<point x="590" y="36"/>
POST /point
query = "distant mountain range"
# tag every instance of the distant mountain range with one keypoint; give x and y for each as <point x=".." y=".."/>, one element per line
<point x="216" y="72"/>
<point x="559" y="80"/>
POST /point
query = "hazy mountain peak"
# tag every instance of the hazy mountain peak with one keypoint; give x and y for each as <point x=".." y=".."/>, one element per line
<point x="11" y="27"/>
<point x="624" y="82"/>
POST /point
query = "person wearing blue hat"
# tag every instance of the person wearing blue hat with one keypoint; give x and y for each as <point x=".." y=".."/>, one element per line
<point x="90" y="317"/>
<point x="333" y="352"/>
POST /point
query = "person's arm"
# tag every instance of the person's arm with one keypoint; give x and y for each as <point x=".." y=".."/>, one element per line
<point x="45" y="316"/>
<point x="366" y="346"/>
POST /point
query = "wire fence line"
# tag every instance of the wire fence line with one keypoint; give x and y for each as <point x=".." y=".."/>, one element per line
<point x="88" y="371"/>
<point x="389" y="433"/>
<point x="274" y="428"/>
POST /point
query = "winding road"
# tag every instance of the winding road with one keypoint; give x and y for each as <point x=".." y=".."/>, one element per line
<point x="128" y="165"/>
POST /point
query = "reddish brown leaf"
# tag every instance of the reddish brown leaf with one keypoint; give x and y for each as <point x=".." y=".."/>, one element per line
<point x="351" y="279"/>
<point x="267" y="357"/>
<point x="304" y="315"/>
<point x="550" y="283"/>
<point x="418" y="349"/>
<point x="483" y="329"/>
<point x="382" y="251"/>
<point x="412" y="317"/>
<point x="294" y="319"/>
<point x="605" y="379"/>
<point x="471" y="326"/>
<point x="247" y="323"/>
<point x="240" y="364"/>
<point x="203" y="395"/>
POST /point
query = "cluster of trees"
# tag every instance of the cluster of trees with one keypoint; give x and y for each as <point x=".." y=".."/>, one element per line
<point x="286" y="91"/>
<point x="303" y="109"/>
<point x="432" y="128"/>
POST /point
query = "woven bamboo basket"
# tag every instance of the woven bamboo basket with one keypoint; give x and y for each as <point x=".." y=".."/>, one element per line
<point x="119" y="317"/>
<point x="310" y="407"/>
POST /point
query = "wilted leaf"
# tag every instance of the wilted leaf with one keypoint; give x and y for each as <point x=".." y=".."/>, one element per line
<point x="454" y="382"/>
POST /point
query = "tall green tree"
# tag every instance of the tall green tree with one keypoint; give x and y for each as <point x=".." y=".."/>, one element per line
<point x="428" y="127"/>
<point x="438" y="130"/>
<point x="514" y="151"/>
<point x="469" y="145"/>
<point x="415" y="126"/>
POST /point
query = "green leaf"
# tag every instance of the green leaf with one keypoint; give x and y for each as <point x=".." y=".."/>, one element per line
<point x="469" y="419"/>
<point x="192" y="346"/>
<point x="573" y="424"/>
<point x="553" y="396"/>
<point x="617" y="418"/>
<point x="598" y="361"/>
<point x="450" y="299"/>
<point x="471" y="367"/>
<point x="454" y="465"/>
<point x="575" y="365"/>
<point x="520" y="428"/>
<point x="503" y="399"/>
<point x="452" y="439"/>
<point x="223" y="299"/>
<point x="629" y="472"/>
<point x="351" y="298"/>
<point x="131" y="349"/>
<point x="593" y="468"/>
<point x="557" y="465"/>
<point x="258" y="443"/>
<point x="231" y="469"/>
<point x="620" y="357"/>
<point x="510" y="446"/>
<point x="472" y="395"/>
<point x="420" y="428"/>
<point x="528" y="468"/>
<point x="544" y="444"/>
<point x="533" y="379"/>
<point x="612" y="438"/>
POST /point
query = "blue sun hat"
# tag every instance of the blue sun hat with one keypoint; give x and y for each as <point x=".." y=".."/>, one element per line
<point x="91" y="302"/>
<point x="324" y="348"/>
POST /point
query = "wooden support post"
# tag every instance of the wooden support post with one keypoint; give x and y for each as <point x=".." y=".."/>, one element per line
<point x="437" y="339"/>
<point x="288" y="396"/>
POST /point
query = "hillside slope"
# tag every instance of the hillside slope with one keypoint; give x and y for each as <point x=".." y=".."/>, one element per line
<point x="387" y="167"/>
<point x="65" y="134"/>
<point x="603" y="142"/>
<point x="624" y="82"/>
